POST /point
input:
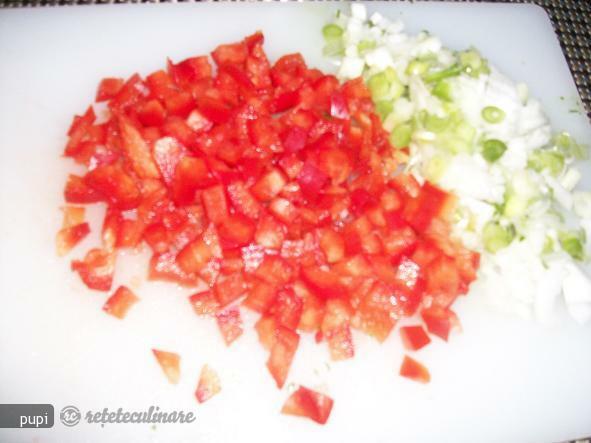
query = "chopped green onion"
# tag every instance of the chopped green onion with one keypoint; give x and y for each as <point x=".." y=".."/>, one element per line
<point x="472" y="63"/>
<point x="548" y="246"/>
<point x="496" y="237"/>
<point x="442" y="90"/>
<point x="391" y="75"/>
<point x="465" y="131"/>
<point x="417" y="67"/>
<point x="400" y="136"/>
<point x="397" y="90"/>
<point x="435" y="124"/>
<point x="436" y="167"/>
<point x="542" y="159"/>
<point x="565" y="142"/>
<point x="333" y="48"/>
<point x="384" y="108"/>
<point x="454" y="144"/>
<point x="379" y="86"/>
<point x="332" y="32"/>
<point x="452" y="71"/>
<point x="493" y="149"/>
<point x="365" y="45"/>
<point x="515" y="206"/>
<point x="572" y="243"/>
<point x="492" y="114"/>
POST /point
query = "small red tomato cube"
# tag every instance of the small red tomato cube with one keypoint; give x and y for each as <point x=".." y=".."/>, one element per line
<point x="170" y="364"/>
<point x="230" y="324"/>
<point x="333" y="245"/>
<point x="335" y="329"/>
<point x="269" y="232"/>
<point x="230" y="288"/>
<point x="275" y="270"/>
<point x="137" y="150"/>
<point x="414" y="370"/>
<point x="120" y="302"/>
<point x="310" y="404"/>
<point x="108" y="88"/>
<point x="260" y="296"/>
<point x="242" y="200"/>
<point x="266" y="327"/>
<point x="236" y="231"/>
<point x="269" y="185"/>
<point x="70" y="236"/>
<point x="78" y="192"/>
<point x="287" y="308"/>
<point x="215" y="204"/>
<point x="208" y="385"/>
<point x="439" y="321"/>
<point x="284" y="210"/>
<point x="195" y="256"/>
<point x="97" y="269"/>
<point x="152" y="113"/>
<point x="114" y="183"/>
<point x="204" y="303"/>
<point x="414" y="337"/>
<point x="282" y="352"/>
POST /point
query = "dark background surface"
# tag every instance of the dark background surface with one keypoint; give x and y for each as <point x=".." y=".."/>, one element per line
<point x="571" y="20"/>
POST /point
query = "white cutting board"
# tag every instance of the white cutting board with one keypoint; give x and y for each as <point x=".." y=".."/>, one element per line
<point x="502" y="380"/>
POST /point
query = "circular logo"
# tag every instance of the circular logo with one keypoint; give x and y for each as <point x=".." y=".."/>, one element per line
<point x="70" y="416"/>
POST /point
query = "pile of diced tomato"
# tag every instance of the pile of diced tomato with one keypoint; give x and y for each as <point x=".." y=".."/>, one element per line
<point x="275" y="187"/>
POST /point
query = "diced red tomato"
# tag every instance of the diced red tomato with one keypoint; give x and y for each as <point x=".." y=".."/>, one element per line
<point x="152" y="113"/>
<point x="276" y="187"/>
<point x="311" y="180"/>
<point x="269" y="185"/>
<point x="439" y="321"/>
<point x="335" y="329"/>
<point x="230" y="288"/>
<point x="275" y="270"/>
<point x="73" y="215"/>
<point x="269" y="233"/>
<point x="325" y="284"/>
<point x="120" y="302"/>
<point x="414" y="370"/>
<point x="282" y="353"/>
<point x="310" y="404"/>
<point x="261" y="296"/>
<point x="108" y="88"/>
<point x="215" y="203"/>
<point x="236" y="231"/>
<point x="242" y="200"/>
<point x="333" y="245"/>
<point x="284" y="210"/>
<point x="204" y="303"/>
<point x="414" y="337"/>
<point x="191" y="173"/>
<point x="208" y="385"/>
<point x="430" y="203"/>
<point x="230" y="324"/>
<point x="179" y="104"/>
<point x="265" y="327"/>
<point x="97" y="269"/>
<point x="137" y="150"/>
<point x="170" y="364"/>
<point x="287" y="308"/>
<point x="190" y="70"/>
<point x="116" y="185"/>
<point x="78" y="192"/>
<point x="195" y="256"/>
<point x="68" y="238"/>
